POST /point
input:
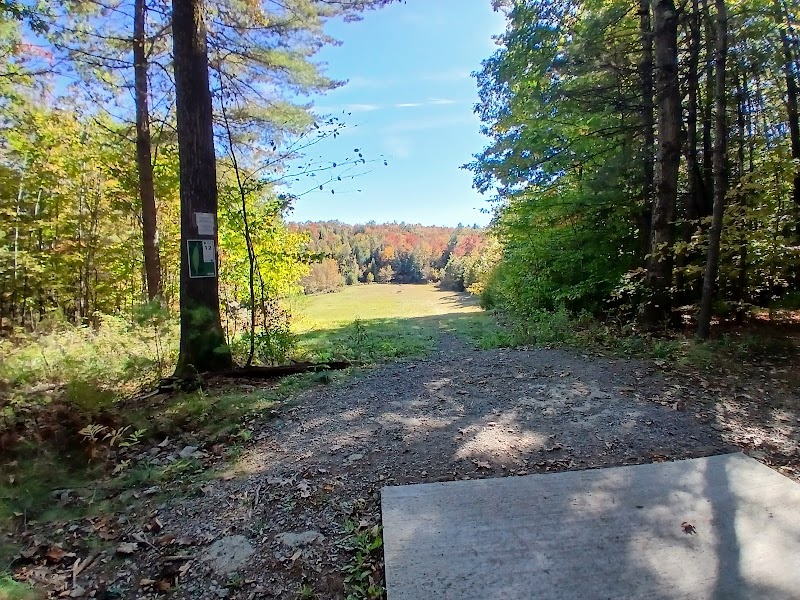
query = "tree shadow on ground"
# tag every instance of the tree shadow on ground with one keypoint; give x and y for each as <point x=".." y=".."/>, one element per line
<point x="506" y="413"/>
<point x="372" y="340"/>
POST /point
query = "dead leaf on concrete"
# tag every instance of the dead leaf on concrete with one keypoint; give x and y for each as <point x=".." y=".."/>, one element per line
<point x="688" y="528"/>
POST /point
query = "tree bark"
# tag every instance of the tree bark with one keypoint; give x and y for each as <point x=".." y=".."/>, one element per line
<point x="720" y="176"/>
<point x="791" y="99"/>
<point x="648" y="134"/>
<point x="144" y="160"/>
<point x="659" y="264"/>
<point x="706" y="207"/>
<point x="695" y="183"/>
<point x="203" y="346"/>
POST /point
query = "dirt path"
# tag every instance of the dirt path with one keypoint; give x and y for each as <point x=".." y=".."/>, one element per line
<point x="459" y="414"/>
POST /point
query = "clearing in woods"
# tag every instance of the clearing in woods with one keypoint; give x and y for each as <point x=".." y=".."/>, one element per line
<point x="380" y="301"/>
<point x="383" y="321"/>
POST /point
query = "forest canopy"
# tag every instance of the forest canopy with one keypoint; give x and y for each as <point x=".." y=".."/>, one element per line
<point x="644" y="158"/>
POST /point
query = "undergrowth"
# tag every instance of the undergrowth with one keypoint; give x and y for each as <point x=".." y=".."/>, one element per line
<point x="363" y="573"/>
<point x="678" y="347"/>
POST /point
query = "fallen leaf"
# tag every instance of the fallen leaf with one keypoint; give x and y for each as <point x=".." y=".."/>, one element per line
<point x="155" y="525"/>
<point x="184" y="541"/>
<point x="305" y="489"/>
<point x="165" y="540"/>
<point x="688" y="528"/>
<point x="107" y="535"/>
<point x="55" y="553"/>
<point x="127" y="548"/>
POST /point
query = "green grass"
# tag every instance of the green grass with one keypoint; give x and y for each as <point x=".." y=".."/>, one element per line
<point x="481" y="330"/>
<point x="370" y="323"/>
<point x="13" y="590"/>
<point x="378" y="301"/>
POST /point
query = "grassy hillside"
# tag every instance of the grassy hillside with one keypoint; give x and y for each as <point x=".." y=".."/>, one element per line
<point x="379" y="321"/>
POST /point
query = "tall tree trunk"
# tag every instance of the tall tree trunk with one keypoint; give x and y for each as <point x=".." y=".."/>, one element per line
<point x="791" y="99"/>
<point x="203" y="346"/>
<point x="720" y="179"/>
<point x="694" y="196"/>
<point x="695" y="181"/>
<point x="708" y="117"/>
<point x="659" y="264"/>
<point x="152" y="262"/>
<point x="742" y="125"/>
<point x="648" y="133"/>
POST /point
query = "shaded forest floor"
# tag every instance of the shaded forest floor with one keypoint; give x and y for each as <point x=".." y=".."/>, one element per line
<point x="286" y="504"/>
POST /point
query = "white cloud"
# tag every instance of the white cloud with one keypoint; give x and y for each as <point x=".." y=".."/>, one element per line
<point x="361" y="107"/>
<point x="439" y="101"/>
<point x="409" y="104"/>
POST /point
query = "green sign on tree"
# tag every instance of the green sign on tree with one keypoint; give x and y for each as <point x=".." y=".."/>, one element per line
<point x="202" y="258"/>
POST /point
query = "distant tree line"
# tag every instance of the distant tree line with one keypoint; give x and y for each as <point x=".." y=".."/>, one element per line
<point x="398" y="253"/>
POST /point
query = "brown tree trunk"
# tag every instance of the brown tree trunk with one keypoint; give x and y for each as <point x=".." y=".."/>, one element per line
<point x="791" y="100"/>
<point x="152" y="261"/>
<point x="720" y="179"/>
<point x="659" y="264"/>
<point x="203" y="346"/>
<point x="694" y="200"/>
<point x="706" y="206"/>
<point x="648" y="133"/>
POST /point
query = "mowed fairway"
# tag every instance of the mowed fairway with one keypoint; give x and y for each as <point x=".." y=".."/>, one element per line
<point x="373" y="322"/>
<point x="379" y="301"/>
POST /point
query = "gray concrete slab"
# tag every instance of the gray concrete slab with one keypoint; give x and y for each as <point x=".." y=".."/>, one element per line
<point x="607" y="533"/>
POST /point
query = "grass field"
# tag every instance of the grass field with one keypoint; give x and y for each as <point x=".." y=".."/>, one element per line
<point x="367" y="323"/>
<point x="379" y="301"/>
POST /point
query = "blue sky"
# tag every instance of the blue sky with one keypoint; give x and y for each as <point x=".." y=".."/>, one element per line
<point x="410" y="97"/>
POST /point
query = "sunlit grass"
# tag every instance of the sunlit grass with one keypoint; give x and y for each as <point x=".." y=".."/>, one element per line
<point x="370" y="323"/>
<point x="378" y="301"/>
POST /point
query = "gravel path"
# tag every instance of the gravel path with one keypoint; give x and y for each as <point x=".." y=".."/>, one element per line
<point x="274" y="525"/>
<point x="460" y="414"/>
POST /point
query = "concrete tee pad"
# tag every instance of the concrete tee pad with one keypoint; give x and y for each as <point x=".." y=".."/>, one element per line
<point x="723" y="527"/>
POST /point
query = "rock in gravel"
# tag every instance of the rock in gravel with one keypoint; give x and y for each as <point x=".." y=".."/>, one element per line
<point x="354" y="457"/>
<point x="187" y="452"/>
<point x="295" y="540"/>
<point x="229" y="554"/>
